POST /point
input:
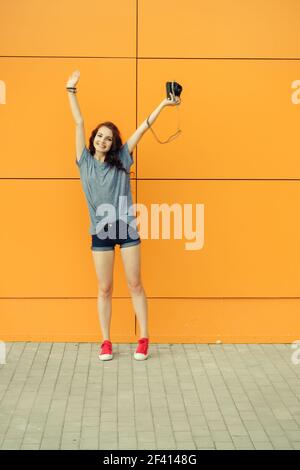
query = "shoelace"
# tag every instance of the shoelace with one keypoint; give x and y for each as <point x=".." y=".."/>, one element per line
<point x="142" y="345"/>
<point x="106" y="347"/>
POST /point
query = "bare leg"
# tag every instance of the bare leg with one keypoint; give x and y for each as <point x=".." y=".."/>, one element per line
<point x="131" y="256"/>
<point x="140" y="306"/>
<point x="104" y="265"/>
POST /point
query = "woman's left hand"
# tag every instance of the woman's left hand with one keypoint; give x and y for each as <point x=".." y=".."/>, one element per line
<point x="174" y="101"/>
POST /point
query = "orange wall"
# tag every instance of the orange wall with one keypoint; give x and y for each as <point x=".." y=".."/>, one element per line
<point x="238" y="154"/>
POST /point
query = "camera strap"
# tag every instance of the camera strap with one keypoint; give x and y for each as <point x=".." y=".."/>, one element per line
<point x="173" y="136"/>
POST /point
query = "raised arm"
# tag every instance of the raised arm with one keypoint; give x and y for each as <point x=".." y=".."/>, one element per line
<point x="137" y="135"/>
<point x="80" y="134"/>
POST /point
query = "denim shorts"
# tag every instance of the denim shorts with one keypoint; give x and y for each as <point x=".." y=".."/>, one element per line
<point x="112" y="239"/>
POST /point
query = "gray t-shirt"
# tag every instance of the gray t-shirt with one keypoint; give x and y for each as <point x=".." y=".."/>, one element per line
<point x="105" y="184"/>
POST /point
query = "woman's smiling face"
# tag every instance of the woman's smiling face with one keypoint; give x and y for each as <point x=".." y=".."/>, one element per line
<point x="103" y="139"/>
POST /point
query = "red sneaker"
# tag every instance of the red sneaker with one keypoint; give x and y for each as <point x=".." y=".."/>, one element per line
<point x="141" y="352"/>
<point x="105" y="353"/>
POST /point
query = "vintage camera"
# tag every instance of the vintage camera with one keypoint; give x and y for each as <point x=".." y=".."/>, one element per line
<point x="173" y="87"/>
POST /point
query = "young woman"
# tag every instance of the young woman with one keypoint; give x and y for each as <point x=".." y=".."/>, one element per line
<point x="104" y="173"/>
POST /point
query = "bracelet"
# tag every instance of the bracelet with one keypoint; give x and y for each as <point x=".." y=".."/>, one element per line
<point x="72" y="89"/>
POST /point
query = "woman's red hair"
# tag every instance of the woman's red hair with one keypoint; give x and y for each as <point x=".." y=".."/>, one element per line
<point x="112" y="156"/>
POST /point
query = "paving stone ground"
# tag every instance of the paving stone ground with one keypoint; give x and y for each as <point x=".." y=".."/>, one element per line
<point x="185" y="396"/>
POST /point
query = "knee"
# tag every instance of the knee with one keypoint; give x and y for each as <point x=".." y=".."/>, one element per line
<point x="135" y="286"/>
<point x="105" y="290"/>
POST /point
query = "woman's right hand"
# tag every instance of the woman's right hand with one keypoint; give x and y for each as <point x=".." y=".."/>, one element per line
<point x="74" y="78"/>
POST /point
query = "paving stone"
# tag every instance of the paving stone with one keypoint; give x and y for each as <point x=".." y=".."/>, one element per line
<point x="187" y="396"/>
